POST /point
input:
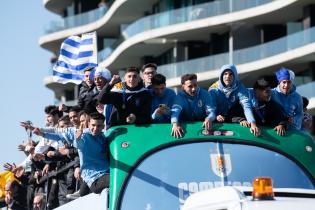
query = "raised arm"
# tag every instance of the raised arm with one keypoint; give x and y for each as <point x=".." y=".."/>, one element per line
<point x="105" y="96"/>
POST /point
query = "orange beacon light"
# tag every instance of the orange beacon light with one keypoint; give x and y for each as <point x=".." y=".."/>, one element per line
<point x="262" y="189"/>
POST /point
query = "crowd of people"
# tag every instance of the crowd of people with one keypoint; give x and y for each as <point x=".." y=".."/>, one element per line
<point x="71" y="157"/>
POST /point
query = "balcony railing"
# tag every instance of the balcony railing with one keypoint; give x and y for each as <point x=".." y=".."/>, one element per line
<point x="189" y="13"/>
<point x="241" y="56"/>
<point x="182" y="15"/>
<point x="77" y="20"/>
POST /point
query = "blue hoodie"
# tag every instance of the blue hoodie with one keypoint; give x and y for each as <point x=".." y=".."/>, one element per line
<point x="191" y="108"/>
<point x="227" y="97"/>
<point x="292" y="105"/>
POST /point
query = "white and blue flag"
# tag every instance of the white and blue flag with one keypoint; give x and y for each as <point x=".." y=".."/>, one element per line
<point x="76" y="54"/>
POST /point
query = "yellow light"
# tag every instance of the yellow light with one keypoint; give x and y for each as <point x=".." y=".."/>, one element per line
<point x="262" y="188"/>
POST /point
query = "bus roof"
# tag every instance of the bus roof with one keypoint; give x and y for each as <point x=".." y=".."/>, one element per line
<point x="130" y="144"/>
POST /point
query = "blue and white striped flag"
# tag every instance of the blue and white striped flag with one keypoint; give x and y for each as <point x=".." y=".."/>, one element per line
<point x="76" y="54"/>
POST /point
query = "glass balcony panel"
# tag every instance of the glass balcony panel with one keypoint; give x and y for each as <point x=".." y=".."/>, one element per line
<point x="77" y="20"/>
<point x="190" y="13"/>
<point x="241" y="56"/>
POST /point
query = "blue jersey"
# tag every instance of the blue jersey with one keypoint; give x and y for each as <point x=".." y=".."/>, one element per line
<point x="292" y="105"/>
<point x="168" y="100"/>
<point x="93" y="152"/>
<point x="191" y="108"/>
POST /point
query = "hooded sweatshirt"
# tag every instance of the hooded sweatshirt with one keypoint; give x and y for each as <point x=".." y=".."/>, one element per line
<point x="224" y="98"/>
<point x="292" y="105"/>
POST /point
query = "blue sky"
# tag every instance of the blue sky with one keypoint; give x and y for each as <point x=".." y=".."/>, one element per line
<point x="24" y="64"/>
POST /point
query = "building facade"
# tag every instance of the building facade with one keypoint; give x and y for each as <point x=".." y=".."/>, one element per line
<point x="192" y="36"/>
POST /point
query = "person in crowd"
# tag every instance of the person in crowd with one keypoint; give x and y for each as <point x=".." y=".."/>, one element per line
<point x="6" y="179"/>
<point x="15" y="195"/>
<point x="74" y="116"/>
<point x="66" y="159"/>
<point x="84" y="120"/>
<point x="93" y="152"/>
<point x="307" y="123"/>
<point x="286" y="96"/>
<point x="52" y="117"/>
<point x="132" y="103"/>
<point x="162" y="99"/>
<point x="87" y="98"/>
<point x="39" y="202"/>
<point x="148" y="71"/>
<point x="86" y="89"/>
<point x="40" y="163"/>
<point x="64" y="122"/>
<point x="101" y="78"/>
<point x="230" y="92"/>
<point x="191" y="104"/>
<point x="266" y="111"/>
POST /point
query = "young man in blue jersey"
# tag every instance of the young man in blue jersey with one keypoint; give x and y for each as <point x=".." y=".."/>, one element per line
<point x="229" y="92"/>
<point x="162" y="100"/>
<point x="191" y="104"/>
<point x="92" y="148"/>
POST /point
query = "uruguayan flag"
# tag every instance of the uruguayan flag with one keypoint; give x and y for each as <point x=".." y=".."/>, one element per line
<point x="76" y="54"/>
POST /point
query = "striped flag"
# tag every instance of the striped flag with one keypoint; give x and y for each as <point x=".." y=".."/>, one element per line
<point x="76" y="54"/>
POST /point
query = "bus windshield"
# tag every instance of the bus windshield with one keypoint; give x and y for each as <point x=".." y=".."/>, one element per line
<point x="165" y="178"/>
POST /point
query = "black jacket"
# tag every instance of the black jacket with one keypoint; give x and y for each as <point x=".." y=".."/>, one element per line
<point x="127" y="101"/>
<point x="267" y="114"/>
<point x="87" y="99"/>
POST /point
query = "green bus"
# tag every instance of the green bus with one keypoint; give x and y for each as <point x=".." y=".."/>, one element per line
<point x="152" y="170"/>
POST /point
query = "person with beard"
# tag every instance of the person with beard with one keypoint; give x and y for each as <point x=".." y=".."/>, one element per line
<point x="132" y="102"/>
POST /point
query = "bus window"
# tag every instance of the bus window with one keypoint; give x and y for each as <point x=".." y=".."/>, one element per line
<point x="164" y="179"/>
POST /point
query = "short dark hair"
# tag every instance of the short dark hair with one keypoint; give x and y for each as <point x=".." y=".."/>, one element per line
<point x="158" y="79"/>
<point x="149" y="65"/>
<point x="65" y="118"/>
<point x="90" y="68"/>
<point x="75" y="109"/>
<point x="53" y="110"/>
<point x="132" y="69"/>
<point x="186" y="77"/>
<point x="83" y="112"/>
<point x="97" y="116"/>
<point x="262" y="84"/>
<point x="305" y="101"/>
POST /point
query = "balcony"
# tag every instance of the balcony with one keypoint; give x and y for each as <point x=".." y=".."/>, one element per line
<point x="77" y="20"/>
<point x="244" y="56"/>
<point x="178" y="16"/>
<point x="187" y="14"/>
